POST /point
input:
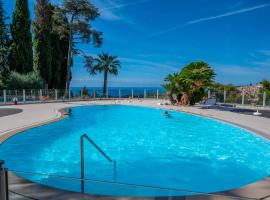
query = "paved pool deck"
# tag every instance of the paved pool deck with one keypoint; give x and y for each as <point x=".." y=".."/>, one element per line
<point x="9" y="111"/>
<point x="33" y="115"/>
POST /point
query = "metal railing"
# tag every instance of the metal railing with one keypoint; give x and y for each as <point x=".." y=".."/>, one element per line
<point x="240" y="98"/>
<point x="20" y="186"/>
<point x="237" y="97"/>
<point x="168" y="193"/>
<point x="84" y="136"/>
<point x="3" y="182"/>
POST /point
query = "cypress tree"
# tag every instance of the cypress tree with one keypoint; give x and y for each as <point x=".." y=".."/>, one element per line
<point x="21" y="52"/>
<point x="42" y="43"/>
<point x="59" y="61"/>
<point x="59" y="51"/>
<point x="4" y="42"/>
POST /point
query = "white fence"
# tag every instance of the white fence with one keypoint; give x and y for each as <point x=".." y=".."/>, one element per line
<point x="79" y="94"/>
<point x="52" y="95"/>
<point x="240" y="98"/>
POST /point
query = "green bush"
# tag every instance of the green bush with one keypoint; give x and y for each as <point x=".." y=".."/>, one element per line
<point x="30" y="80"/>
<point x="85" y="91"/>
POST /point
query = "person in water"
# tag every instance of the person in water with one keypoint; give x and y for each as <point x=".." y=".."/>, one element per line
<point x="68" y="111"/>
<point x="167" y="114"/>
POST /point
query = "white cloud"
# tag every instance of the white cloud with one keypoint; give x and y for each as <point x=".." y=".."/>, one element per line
<point x="240" y="70"/>
<point x="240" y="11"/>
<point x="237" y="5"/>
<point x="264" y="63"/>
<point x="241" y="74"/>
<point x="108" y="9"/>
<point x="109" y="15"/>
<point x="115" y="5"/>
<point x="106" y="14"/>
<point x="265" y="52"/>
<point x="134" y="71"/>
<point x="171" y="67"/>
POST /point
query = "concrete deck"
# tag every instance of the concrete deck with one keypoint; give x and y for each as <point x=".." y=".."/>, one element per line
<point x="9" y="111"/>
<point x="39" y="114"/>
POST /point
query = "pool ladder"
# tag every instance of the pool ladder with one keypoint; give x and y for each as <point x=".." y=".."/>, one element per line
<point x="84" y="136"/>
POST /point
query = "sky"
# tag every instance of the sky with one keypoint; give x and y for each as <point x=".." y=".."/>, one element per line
<point x="153" y="38"/>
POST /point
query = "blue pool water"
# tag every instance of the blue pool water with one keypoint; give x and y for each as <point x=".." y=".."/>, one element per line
<point x="184" y="152"/>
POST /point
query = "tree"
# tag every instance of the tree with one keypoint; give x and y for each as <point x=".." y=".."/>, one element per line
<point x="2" y="86"/>
<point x="85" y="92"/>
<point x="59" y="49"/>
<point x="59" y="61"/>
<point x="42" y="41"/>
<point x="4" y="43"/>
<point x="190" y="84"/>
<point x="21" y="53"/>
<point x="265" y="88"/>
<point x="233" y="94"/>
<point x="79" y="14"/>
<point x="104" y="63"/>
<point x="171" y="86"/>
<point x="266" y="85"/>
<point x="221" y="87"/>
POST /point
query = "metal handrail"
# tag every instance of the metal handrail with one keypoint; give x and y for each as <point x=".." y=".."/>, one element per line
<point x="3" y="182"/>
<point x="84" y="136"/>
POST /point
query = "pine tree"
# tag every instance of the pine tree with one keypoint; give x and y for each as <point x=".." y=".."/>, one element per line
<point x="42" y="43"/>
<point x="79" y="13"/>
<point x="21" y="52"/>
<point x="4" y="42"/>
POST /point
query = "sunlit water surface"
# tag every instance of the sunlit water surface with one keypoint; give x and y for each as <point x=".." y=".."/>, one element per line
<point x="183" y="152"/>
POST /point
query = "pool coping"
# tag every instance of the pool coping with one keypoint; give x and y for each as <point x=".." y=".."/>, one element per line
<point x="8" y="134"/>
<point x="9" y="111"/>
<point x="257" y="190"/>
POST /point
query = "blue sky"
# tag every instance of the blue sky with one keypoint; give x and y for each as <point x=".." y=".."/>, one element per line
<point x="153" y="38"/>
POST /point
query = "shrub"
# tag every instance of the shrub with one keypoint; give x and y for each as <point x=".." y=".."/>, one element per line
<point x="30" y="80"/>
<point x="85" y="91"/>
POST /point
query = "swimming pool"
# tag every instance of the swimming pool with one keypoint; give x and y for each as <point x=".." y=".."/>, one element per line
<point x="185" y="152"/>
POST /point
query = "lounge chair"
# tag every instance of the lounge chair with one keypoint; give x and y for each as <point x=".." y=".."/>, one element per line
<point x="210" y="103"/>
<point x="257" y="113"/>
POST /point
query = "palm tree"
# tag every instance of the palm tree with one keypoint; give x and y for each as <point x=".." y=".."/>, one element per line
<point x="171" y="86"/>
<point x="104" y="63"/>
<point x="189" y="85"/>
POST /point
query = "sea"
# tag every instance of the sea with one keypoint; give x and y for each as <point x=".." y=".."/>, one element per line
<point x="121" y="91"/>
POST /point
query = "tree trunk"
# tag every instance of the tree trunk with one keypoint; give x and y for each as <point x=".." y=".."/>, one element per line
<point x="185" y="101"/>
<point x="105" y="84"/>
<point x="69" y="61"/>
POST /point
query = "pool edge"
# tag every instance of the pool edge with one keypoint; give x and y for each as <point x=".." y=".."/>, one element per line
<point x="10" y="133"/>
